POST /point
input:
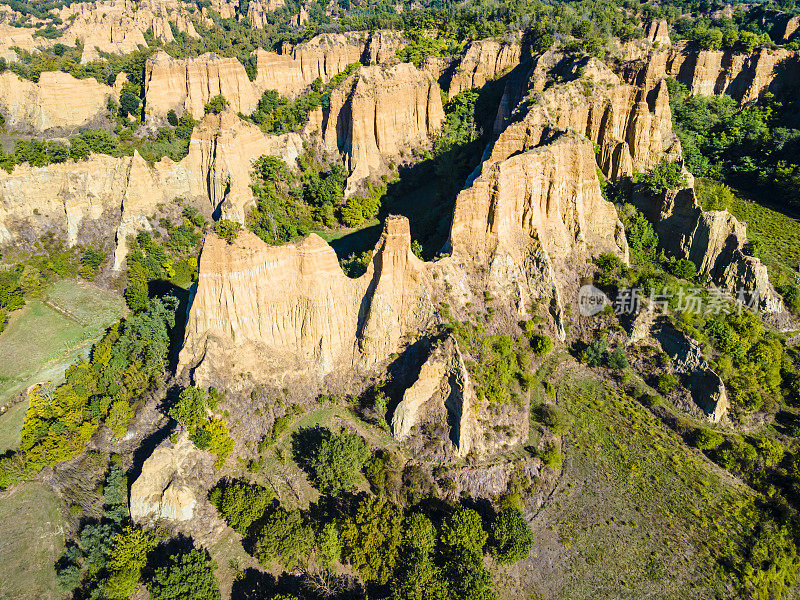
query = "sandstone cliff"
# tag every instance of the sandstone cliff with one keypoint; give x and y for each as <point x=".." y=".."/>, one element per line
<point x="57" y="102"/>
<point x="309" y="319"/>
<point x="64" y="196"/>
<point x="442" y="396"/>
<point x="214" y="177"/>
<point x="295" y="67"/>
<point x="166" y="488"/>
<point x="525" y="216"/>
<point x="188" y="84"/>
<point x="118" y="26"/>
<point x="380" y="113"/>
<point x="257" y="11"/>
<point x="219" y="164"/>
<point x="632" y="125"/>
<point x="714" y="241"/>
<point x="483" y="61"/>
<point x="745" y="77"/>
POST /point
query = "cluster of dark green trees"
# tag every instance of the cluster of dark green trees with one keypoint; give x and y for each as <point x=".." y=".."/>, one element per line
<point x="426" y="549"/>
<point x="752" y="147"/>
<point x="289" y="204"/>
<point x="277" y="114"/>
<point x="173" y="259"/>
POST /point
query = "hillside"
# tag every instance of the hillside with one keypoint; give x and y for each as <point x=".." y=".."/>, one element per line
<point x="334" y="300"/>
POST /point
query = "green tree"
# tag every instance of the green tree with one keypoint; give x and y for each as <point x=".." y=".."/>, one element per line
<point x="227" y="230"/>
<point x="128" y="557"/>
<point x="241" y="503"/>
<point x="510" y="538"/>
<point x="128" y="101"/>
<point x="287" y="537"/>
<point x="334" y="461"/>
<point x="372" y="538"/>
<point x="664" y="176"/>
<point x="216" y="105"/>
<point x="463" y="530"/>
<point x="187" y="576"/>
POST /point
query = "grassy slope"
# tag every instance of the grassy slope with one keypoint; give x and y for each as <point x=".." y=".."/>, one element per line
<point x="31" y="539"/>
<point x="636" y="513"/>
<point x="47" y="336"/>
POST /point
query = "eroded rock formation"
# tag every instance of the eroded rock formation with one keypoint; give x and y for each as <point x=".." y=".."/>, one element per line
<point x="257" y="11"/>
<point x="188" y="84"/>
<point x="295" y="67"/>
<point x="380" y="113"/>
<point x="219" y="164"/>
<point x="632" y="125"/>
<point x="310" y="318"/>
<point x="165" y="489"/>
<point x="705" y="386"/>
<point x="745" y="77"/>
<point x="714" y="241"/>
<point x="441" y="395"/>
<point x="483" y="61"/>
<point x="118" y="26"/>
<point x="57" y="101"/>
<point x="214" y="176"/>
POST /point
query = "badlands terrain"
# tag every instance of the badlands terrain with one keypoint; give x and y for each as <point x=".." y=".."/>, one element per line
<point x="332" y="300"/>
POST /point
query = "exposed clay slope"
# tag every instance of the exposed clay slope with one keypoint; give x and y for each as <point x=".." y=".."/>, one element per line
<point x="550" y="192"/>
<point x="442" y="394"/>
<point x="379" y="113"/>
<point x="632" y="125"/>
<point x="221" y="154"/>
<point x="295" y="67"/>
<point x="118" y="26"/>
<point x="56" y="101"/>
<point x="483" y="61"/>
<point x="745" y="77"/>
<point x="289" y="312"/>
<point x="215" y="175"/>
<point x="188" y="84"/>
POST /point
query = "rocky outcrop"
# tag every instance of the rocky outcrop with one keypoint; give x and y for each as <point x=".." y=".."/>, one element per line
<point x="657" y="31"/>
<point x="214" y="176"/>
<point x="165" y="489"/>
<point x="714" y="241"/>
<point x="443" y="396"/>
<point x="17" y="37"/>
<point x="188" y="84"/>
<point x="632" y="125"/>
<point x="380" y="113"/>
<point x="745" y="77"/>
<point x="705" y="386"/>
<point x="258" y="10"/>
<point x="550" y="192"/>
<point x="67" y="195"/>
<point x="483" y="61"/>
<point x="311" y="319"/>
<point x="118" y="26"/>
<point x="294" y="67"/>
<point x="219" y="164"/>
<point x="57" y="101"/>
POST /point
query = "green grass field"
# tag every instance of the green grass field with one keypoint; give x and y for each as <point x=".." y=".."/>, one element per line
<point x="31" y="540"/>
<point x="45" y="337"/>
